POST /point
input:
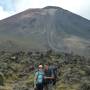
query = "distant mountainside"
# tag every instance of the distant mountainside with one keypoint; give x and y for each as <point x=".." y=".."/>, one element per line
<point x="46" y="28"/>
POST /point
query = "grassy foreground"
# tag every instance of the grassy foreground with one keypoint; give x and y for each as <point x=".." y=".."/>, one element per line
<point x="16" y="70"/>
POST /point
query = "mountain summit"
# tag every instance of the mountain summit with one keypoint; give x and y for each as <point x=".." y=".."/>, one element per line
<point x="46" y="28"/>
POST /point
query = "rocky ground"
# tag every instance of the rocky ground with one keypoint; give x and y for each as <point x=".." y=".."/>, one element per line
<point x="17" y="72"/>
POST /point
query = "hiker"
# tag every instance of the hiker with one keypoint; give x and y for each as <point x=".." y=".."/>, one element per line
<point x="48" y="78"/>
<point x="39" y="78"/>
<point x="53" y="69"/>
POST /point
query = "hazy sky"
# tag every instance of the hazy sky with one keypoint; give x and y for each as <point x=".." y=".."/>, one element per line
<point x="11" y="7"/>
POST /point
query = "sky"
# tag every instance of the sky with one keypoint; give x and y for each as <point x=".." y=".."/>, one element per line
<point x="11" y="7"/>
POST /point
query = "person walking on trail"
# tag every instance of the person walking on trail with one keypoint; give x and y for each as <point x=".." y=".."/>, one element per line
<point x="48" y="78"/>
<point x="39" y="78"/>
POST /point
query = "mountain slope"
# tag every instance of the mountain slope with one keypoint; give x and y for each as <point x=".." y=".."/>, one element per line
<point x="47" y="28"/>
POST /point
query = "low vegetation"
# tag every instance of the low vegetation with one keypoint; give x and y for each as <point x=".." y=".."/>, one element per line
<point x="16" y="72"/>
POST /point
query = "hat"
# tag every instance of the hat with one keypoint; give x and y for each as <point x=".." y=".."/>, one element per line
<point x="40" y="66"/>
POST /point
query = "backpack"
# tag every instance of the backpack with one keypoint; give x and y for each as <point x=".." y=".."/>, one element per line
<point x="40" y="77"/>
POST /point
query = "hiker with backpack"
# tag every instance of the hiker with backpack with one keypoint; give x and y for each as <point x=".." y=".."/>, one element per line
<point x="49" y="76"/>
<point x="53" y="69"/>
<point x="39" y="78"/>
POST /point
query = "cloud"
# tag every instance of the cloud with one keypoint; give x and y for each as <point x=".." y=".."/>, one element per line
<point x="6" y="8"/>
<point x="7" y="5"/>
<point x="3" y="14"/>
